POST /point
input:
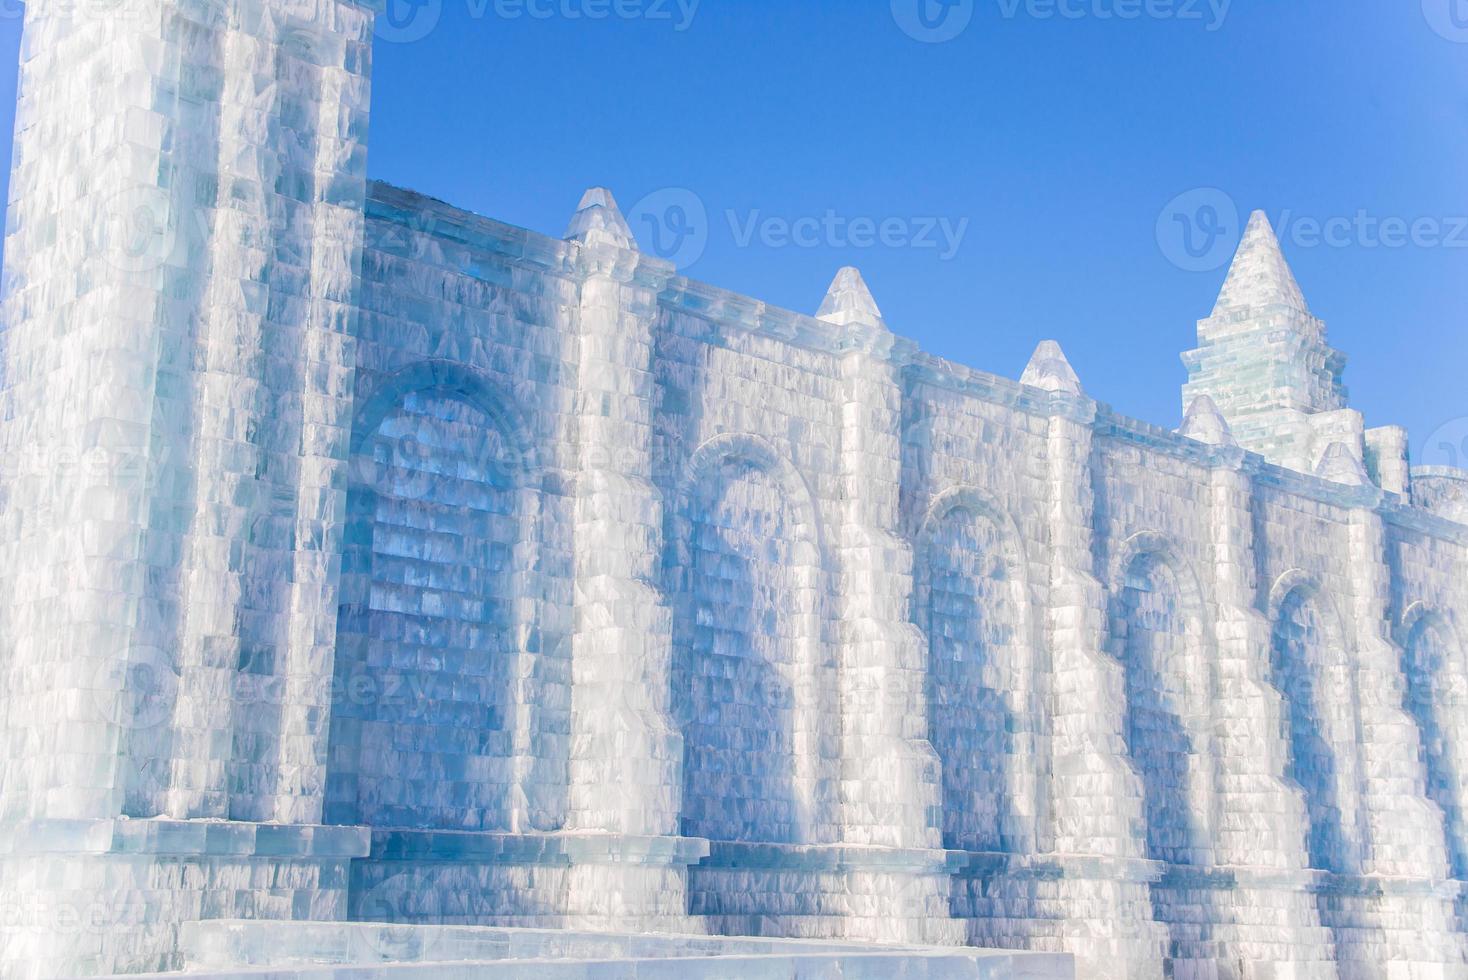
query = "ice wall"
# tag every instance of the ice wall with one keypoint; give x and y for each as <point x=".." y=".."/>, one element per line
<point x="1128" y="637"/>
<point x="377" y="559"/>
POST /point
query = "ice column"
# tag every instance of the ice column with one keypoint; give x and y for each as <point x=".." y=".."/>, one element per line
<point x="626" y="755"/>
<point x="1096" y="803"/>
<point x="1404" y="831"/>
<point x="1263" y="822"/>
<point x="1096" y="809"/>
<point x="84" y="328"/>
<point x="273" y="422"/>
<point x="889" y="787"/>
<point x="1405" y="847"/>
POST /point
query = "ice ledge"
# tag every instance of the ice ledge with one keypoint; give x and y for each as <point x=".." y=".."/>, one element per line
<point x="832" y="857"/>
<point x="910" y="964"/>
<point x="373" y="950"/>
<point x="552" y="849"/>
<point x="182" y="838"/>
<point x="1061" y="867"/>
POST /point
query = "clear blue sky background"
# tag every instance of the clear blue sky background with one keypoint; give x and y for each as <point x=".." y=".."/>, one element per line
<point x="1060" y="141"/>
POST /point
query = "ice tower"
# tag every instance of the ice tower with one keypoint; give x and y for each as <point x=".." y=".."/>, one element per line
<point x="1263" y="359"/>
<point x="185" y="229"/>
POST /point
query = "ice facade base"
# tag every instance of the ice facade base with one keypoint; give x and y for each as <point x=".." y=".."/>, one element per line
<point x="85" y="897"/>
<point x="218" y="898"/>
<point x="304" y="951"/>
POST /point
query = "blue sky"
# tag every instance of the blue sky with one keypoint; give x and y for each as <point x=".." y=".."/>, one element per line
<point x="996" y="188"/>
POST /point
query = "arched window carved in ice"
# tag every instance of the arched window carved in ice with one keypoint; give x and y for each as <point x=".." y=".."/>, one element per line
<point x="1159" y="636"/>
<point x="432" y="641"/>
<point x="973" y="607"/>
<point x="1437" y="699"/>
<point x="751" y="679"/>
<point x="1311" y="669"/>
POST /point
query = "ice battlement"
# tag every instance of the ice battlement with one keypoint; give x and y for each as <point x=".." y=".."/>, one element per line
<point x="1246" y="291"/>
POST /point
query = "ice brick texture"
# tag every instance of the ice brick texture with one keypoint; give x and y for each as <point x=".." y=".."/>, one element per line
<point x="974" y="607"/>
<point x="759" y="751"/>
<point x="602" y="598"/>
<point x="427" y="653"/>
<point x="185" y="225"/>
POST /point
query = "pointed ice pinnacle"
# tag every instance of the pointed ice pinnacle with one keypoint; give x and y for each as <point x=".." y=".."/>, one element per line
<point x="597" y="221"/>
<point x="1048" y="369"/>
<point x="1339" y="465"/>
<point x="1259" y="275"/>
<point x="1205" y="423"/>
<point x="849" y="301"/>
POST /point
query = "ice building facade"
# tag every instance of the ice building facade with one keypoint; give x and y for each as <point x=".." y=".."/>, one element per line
<point x="367" y="559"/>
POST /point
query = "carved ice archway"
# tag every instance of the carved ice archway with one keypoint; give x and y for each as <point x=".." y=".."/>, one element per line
<point x="985" y="719"/>
<point x="1311" y="668"/>
<point x="441" y="555"/>
<point x="1160" y="635"/>
<point x="1436" y="671"/>
<point x="753" y="683"/>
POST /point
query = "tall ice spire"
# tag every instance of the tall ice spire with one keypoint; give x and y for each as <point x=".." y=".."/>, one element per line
<point x="1263" y="360"/>
<point x="1259" y="276"/>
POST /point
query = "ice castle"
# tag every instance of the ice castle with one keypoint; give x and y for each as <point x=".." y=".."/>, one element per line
<point x="385" y="586"/>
